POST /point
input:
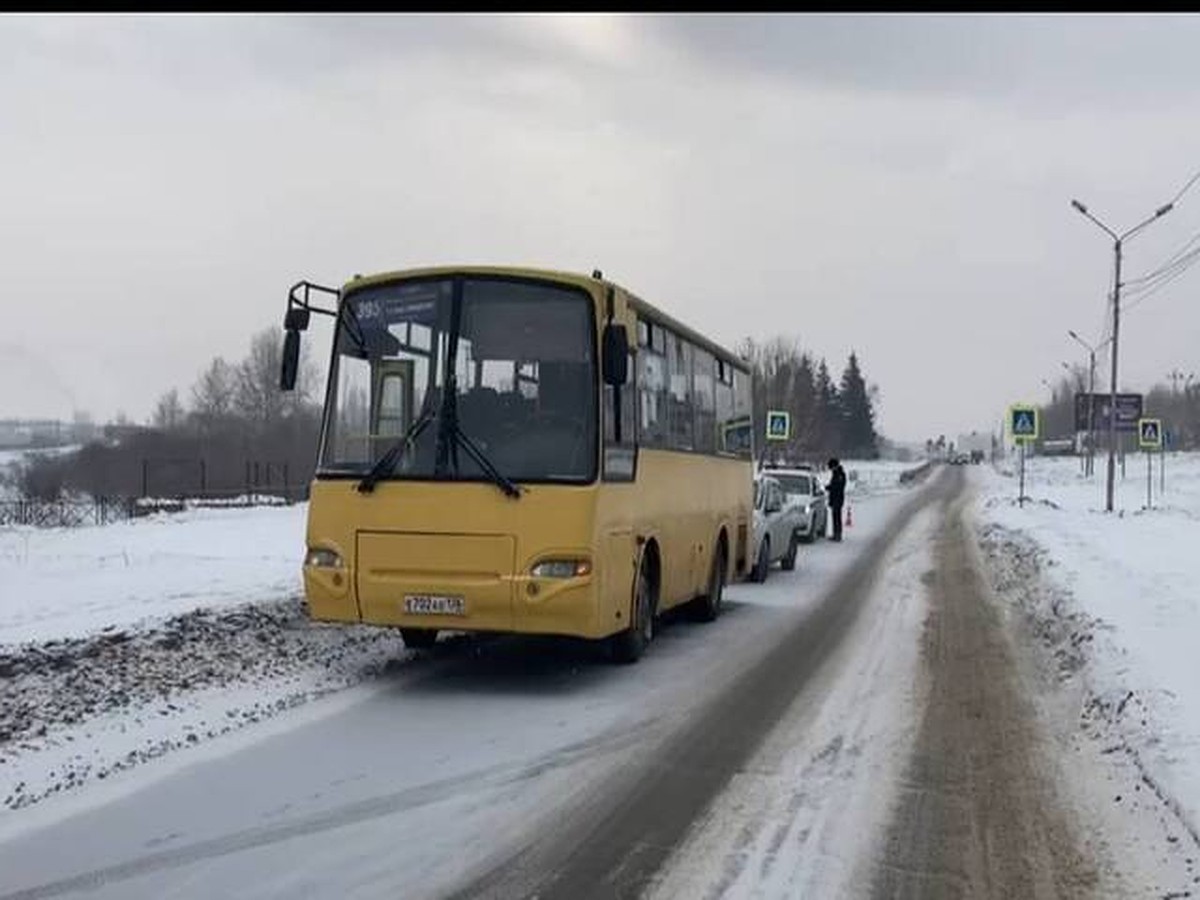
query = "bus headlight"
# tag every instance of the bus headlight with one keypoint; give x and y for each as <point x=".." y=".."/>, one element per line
<point x="562" y="568"/>
<point x="322" y="558"/>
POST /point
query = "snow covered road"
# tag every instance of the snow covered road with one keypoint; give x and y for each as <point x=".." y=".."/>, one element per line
<point x="444" y="768"/>
<point x="897" y="718"/>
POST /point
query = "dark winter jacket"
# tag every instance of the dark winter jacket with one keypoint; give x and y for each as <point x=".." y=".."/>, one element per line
<point x="837" y="486"/>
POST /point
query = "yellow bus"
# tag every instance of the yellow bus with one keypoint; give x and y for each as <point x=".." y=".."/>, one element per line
<point x="521" y="450"/>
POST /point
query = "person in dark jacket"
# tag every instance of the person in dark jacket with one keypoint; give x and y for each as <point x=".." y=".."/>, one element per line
<point x="837" y="496"/>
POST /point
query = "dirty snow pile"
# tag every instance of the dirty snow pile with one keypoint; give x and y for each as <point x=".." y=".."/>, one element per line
<point x="122" y="642"/>
<point x="1114" y="597"/>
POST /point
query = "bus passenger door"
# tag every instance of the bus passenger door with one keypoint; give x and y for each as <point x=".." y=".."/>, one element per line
<point x="391" y="403"/>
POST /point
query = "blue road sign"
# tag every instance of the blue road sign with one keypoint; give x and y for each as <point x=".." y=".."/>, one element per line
<point x="779" y="425"/>
<point x="1023" y="423"/>
<point x="1150" y="434"/>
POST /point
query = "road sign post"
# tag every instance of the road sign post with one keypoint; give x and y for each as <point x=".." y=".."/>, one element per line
<point x="1023" y="425"/>
<point x="1150" y="439"/>
<point x="1021" y="486"/>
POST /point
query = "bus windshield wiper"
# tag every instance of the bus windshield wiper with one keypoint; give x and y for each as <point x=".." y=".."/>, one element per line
<point x="388" y="461"/>
<point x="451" y="437"/>
<point x="499" y="479"/>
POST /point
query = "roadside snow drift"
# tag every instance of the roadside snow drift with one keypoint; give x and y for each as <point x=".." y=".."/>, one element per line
<point x="1114" y="596"/>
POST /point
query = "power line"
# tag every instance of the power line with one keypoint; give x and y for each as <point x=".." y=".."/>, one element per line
<point x="1166" y="273"/>
<point x="1182" y="264"/>
<point x="1167" y="263"/>
<point x="1183" y="190"/>
<point x="1150" y="292"/>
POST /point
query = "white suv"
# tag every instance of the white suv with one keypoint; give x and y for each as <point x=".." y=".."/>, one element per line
<point x="804" y="490"/>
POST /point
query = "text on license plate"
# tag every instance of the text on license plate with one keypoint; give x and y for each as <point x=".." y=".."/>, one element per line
<point x="434" y="604"/>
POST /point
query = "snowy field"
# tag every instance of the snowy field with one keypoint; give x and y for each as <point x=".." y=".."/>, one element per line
<point x="1119" y="602"/>
<point x="873" y="477"/>
<point x="69" y="582"/>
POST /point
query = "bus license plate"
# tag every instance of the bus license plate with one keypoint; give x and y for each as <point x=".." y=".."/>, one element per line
<point x="434" y="605"/>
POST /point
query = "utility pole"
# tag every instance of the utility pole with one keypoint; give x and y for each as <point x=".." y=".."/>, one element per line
<point x="1091" y="421"/>
<point x="1112" y="391"/>
<point x="1118" y="242"/>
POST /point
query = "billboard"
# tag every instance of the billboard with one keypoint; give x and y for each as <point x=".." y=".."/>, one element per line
<point x="1128" y="406"/>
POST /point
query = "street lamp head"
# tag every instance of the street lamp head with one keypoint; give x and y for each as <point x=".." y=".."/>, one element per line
<point x="1073" y="334"/>
<point x="1079" y="206"/>
<point x="1163" y="210"/>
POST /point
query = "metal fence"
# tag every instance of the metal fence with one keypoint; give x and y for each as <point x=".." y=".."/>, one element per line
<point x="66" y="513"/>
<point x="106" y="510"/>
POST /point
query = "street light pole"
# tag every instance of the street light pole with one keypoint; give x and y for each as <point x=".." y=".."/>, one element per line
<point x="1091" y="457"/>
<point x="1118" y="242"/>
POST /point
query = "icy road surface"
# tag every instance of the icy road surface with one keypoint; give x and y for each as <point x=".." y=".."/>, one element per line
<point x="428" y="776"/>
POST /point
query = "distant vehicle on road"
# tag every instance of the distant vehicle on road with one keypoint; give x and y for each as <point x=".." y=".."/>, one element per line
<point x="1058" y="447"/>
<point x="776" y="528"/>
<point x="802" y="488"/>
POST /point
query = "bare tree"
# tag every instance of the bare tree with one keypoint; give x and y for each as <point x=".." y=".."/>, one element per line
<point x="168" y="412"/>
<point x="213" y="395"/>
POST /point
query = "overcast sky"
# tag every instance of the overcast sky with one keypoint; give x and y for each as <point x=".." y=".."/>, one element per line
<point x="896" y="185"/>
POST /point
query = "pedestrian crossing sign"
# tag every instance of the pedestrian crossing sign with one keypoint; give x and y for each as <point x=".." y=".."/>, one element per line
<point x="1023" y="423"/>
<point x="779" y="425"/>
<point x="1150" y="434"/>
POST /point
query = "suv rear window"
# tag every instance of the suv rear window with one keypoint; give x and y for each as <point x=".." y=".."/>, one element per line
<point x="795" y="484"/>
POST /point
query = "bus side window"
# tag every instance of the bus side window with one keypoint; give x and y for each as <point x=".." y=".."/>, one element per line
<point x="652" y="386"/>
<point x="704" y="406"/>
<point x="680" y="401"/>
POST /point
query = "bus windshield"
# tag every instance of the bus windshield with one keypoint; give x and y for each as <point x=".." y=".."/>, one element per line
<point x="524" y="377"/>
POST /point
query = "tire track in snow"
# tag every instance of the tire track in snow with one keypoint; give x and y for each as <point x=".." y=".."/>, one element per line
<point x="617" y="841"/>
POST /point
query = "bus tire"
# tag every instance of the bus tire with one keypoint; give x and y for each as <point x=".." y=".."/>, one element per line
<point x="419" y="638"/>
<point x="708" y="607"/>
<point x="763" y="564"/>
<point x="629" y="645"/>
<point x="788" y="563"/>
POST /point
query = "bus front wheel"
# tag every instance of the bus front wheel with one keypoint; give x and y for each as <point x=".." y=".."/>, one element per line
<point x="628" y="645"/>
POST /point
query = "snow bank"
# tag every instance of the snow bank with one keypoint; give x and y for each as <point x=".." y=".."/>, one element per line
<point x="83" y="708"/>
<point x="1115" y="598"/>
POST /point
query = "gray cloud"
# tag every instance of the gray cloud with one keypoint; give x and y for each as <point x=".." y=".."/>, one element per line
<point x="896" y="185"/>
<point x="1040" y="59"/>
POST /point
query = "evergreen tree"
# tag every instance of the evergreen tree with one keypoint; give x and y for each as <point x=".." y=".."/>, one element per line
<point x="858" y="415"/>
<point x="828" y="412"/>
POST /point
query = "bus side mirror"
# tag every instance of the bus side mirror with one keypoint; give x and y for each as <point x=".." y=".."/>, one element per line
<point x="616" y="355"/>
<point x="296" y="319"/>
<point x="291" y="360"/>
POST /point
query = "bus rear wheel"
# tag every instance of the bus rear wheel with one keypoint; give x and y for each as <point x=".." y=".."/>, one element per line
<point x="763" y="564"/>
<point x="708" y="607"/>
<point x="419" y="638"/>
<point x="629" y="645"/>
